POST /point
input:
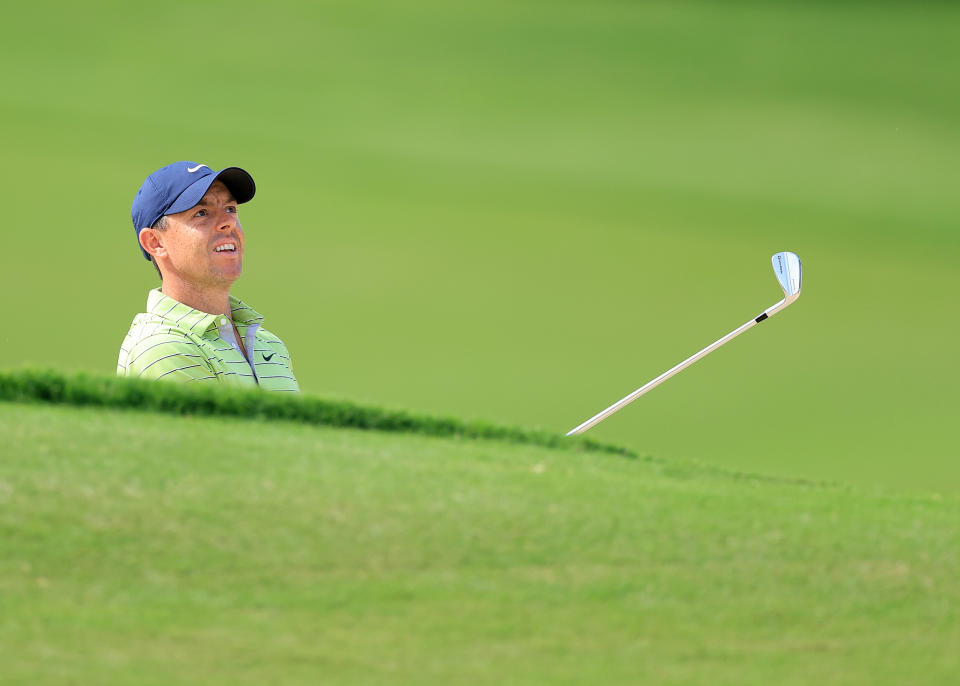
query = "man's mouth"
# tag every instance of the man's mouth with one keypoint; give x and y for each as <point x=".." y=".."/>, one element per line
<point x="226" y="247"/>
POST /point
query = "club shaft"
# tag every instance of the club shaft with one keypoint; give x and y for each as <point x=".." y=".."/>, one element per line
<point x="623" y="402"/>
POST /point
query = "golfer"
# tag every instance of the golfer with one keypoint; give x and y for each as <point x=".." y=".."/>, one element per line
<point x="185" y="218"/>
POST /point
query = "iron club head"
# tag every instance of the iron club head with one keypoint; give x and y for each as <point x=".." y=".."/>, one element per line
<point x="787" y="267"/>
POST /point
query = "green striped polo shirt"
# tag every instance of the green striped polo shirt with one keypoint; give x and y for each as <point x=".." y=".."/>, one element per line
<point x="175" y="342"/>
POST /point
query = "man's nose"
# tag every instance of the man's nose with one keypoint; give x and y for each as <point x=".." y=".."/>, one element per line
<point x="226" y="221"/>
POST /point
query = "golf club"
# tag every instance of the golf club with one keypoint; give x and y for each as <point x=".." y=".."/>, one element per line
<point x="786" y="265"/>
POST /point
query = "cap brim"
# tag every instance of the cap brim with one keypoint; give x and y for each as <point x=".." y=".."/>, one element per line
<point x="237" y="180"/>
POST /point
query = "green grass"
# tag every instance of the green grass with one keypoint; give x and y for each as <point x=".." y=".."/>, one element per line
<point x="146" y="548"/>
<point x="522" y="211"/>
<point x="81" y="390"/>
<point x="514" y="211"/>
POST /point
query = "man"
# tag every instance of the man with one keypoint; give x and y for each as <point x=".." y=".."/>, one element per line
<point x="185" y="218"/>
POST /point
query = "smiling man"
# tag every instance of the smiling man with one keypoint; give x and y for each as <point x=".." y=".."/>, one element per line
<point x="185" y="218"/>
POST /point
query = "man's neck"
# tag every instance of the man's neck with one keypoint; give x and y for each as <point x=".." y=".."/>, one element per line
<point x="211" y="301"/>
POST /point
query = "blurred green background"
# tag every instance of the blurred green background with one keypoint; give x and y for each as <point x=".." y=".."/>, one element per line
<point x="522" y="211"/>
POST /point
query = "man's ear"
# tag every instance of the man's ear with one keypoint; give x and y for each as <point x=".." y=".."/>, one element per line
<point x="151" y="241"/>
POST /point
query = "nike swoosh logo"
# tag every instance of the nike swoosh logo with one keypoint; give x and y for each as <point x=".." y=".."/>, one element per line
<point x="267" y="359"/>
<point x="193" y="169"/>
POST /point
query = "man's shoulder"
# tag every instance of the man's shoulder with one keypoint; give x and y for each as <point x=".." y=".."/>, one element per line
<point x="150" y="336"/>
<point x="270" y="338"/>
<point x="151" y="351"/>
<point x="149" y="328"/>
<point x="150" y="339"/>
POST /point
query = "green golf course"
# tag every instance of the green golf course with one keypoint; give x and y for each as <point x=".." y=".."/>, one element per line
<point x="521" y="212"/>
<point x="141" y="547"/>
<point x="476" y="225"/>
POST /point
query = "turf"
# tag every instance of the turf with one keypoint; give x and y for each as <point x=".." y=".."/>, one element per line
<point x="139" y="547"/>
<point x="83" y="390"/>
<point x="521" y="211"/>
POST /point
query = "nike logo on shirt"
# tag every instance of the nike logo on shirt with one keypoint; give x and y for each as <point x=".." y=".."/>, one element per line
<point x="266" y="358"/>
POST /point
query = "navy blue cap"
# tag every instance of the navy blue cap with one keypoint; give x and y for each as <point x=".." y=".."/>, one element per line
<point x="178" y="187"/>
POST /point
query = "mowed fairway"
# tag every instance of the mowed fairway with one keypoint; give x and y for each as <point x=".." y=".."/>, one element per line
<point x="158" y="550"/>
<point x="522" y="211"/>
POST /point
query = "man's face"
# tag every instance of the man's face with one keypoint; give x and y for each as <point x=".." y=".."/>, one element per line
<point x="192" y="239"/>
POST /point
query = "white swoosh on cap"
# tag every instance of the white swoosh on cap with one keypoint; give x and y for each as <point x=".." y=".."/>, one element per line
<point x="191" y="170"/>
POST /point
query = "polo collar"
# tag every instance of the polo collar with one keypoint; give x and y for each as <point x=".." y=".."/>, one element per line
<point x="186" y="317"/>
<point x="243" y="313"/>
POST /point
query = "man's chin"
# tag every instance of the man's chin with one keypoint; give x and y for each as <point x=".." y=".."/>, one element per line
<point x="228" y="274"/>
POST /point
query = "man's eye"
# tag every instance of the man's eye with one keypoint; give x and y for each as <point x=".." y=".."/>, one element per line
<point x="232" y="209"/>
<point x="200" y="213"/>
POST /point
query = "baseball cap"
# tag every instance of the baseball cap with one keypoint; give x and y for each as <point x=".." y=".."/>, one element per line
<point x="178" y="187"/>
